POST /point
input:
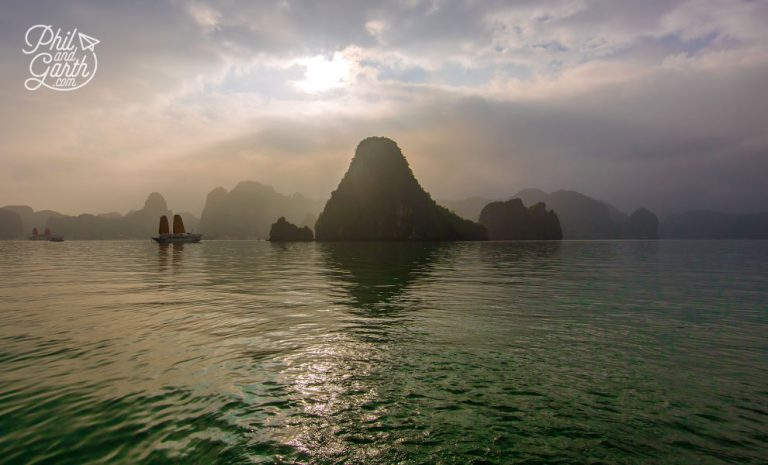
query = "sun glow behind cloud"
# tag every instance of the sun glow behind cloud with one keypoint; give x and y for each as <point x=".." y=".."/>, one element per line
<point x="322" y="74"/>
<point x="578" y="94"/>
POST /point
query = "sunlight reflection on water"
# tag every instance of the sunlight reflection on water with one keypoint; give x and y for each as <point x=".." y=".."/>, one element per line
<point x="242" y="352"/>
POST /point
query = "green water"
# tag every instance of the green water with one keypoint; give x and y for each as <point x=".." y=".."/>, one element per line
<point x="251" y="352"/>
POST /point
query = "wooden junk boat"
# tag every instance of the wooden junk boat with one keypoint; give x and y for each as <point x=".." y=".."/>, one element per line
<point x="179" y="235"/>
<point x="47" y="236"/>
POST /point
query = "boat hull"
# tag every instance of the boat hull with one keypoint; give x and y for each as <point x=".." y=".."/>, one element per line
<point x="47" y="239"/>
<point x="177" y="238"/>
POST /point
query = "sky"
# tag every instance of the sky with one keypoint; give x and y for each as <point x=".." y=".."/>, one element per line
<point x="657" y="104"/>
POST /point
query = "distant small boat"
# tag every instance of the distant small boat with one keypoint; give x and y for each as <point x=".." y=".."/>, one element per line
<point x="179" y="235"/>
<point x="46" y="236"/>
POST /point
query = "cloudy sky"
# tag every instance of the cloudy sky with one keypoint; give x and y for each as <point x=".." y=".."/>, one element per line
<point x="650" y="103"/>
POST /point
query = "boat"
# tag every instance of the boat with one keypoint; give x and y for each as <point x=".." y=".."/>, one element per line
<point x="179" y="234"/>
<point x="46" y="236"/>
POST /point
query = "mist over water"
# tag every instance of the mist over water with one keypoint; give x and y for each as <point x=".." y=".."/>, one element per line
<point x="252" y="352"/>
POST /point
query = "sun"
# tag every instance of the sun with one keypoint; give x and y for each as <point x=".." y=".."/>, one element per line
<point x="322" y="74"/>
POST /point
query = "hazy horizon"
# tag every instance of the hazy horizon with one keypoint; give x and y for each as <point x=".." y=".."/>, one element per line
<point x="656" y="104"/>
<point x="139" y="202"/>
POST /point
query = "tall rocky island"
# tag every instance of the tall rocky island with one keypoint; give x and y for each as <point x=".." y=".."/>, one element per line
<point x="511" y="220"/>
<point x="379" y="198"/>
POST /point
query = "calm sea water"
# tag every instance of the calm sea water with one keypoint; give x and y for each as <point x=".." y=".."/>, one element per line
<point x="251" y="352"/>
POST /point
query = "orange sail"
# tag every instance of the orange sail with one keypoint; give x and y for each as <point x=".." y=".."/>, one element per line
<point x="178" y="225"/>
<point x="164" y="225"/>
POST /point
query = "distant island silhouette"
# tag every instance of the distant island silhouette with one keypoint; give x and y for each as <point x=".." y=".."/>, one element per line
<point x="248" y="211"/>
<point x="11" y="226"/>
<point x="641" y="224"/>
<point x="284" y="231"/>
<point x="379" y="198"/>
<point x="27" y="217"/>
<point x="511" y="220"/>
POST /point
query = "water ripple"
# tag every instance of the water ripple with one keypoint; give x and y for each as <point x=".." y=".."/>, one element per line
<point x="251" y="352"/>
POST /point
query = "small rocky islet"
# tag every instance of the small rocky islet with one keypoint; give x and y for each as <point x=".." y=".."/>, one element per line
<point x="285" y="231"/>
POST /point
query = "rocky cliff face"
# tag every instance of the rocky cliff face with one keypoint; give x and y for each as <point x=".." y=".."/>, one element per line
<point x="379" y="198"/>
<point x="511" y="220"/>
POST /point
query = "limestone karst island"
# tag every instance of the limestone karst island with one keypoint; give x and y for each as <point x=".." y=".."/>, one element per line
<point x="404" y="232"/>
